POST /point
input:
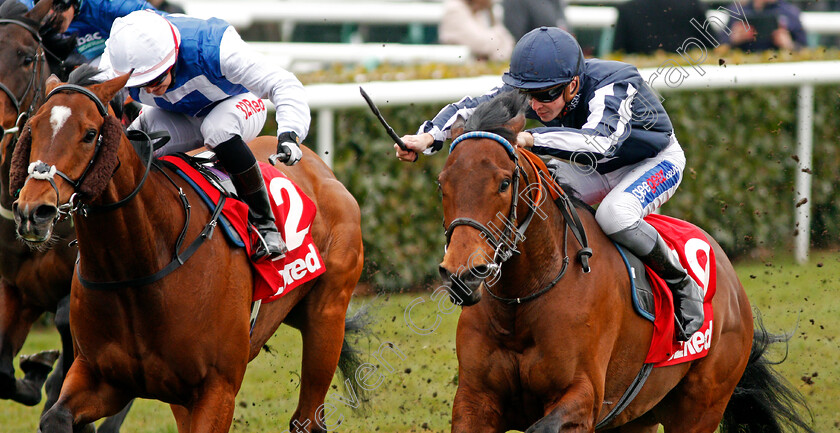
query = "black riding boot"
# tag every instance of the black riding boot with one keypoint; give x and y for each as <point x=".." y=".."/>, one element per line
<point x="245" y="173"/>
<point x="688" y="298"/>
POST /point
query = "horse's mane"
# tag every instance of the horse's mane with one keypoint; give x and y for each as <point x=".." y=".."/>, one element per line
<point x="84" y="75"/>
<point x="492" y="115"/>
<point x="575" y="198"/>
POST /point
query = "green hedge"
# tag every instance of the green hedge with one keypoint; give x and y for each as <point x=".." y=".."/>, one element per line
<point x="738" y="185"/>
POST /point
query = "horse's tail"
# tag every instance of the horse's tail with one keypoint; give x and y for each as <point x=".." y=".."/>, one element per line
<point x="764" y="401"/>
<point x="350" y="360"/>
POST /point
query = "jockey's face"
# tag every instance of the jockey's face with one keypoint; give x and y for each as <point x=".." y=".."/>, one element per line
<point x="160" y="88"/>
<point x="548" y="111"/>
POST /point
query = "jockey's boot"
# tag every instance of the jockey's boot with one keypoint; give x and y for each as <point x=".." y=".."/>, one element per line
<point x="245" y="173"/>
<point x="688" y="298"/>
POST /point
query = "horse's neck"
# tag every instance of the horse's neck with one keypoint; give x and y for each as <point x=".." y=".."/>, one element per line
<point x="126" y="242"/>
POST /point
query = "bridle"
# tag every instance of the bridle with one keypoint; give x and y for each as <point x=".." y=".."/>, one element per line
<point x="33" y="84"/>
<point x="43" y="171"/>
<point x="506" y="245"/>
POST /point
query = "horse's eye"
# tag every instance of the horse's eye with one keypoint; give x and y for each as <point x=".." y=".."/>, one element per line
<point x="504" y="185"/>
<point x="89" y="136"/>
<point x="27" y="60"/>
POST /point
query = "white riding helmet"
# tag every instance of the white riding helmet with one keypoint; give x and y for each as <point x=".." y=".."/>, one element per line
<point x="145" y="42"/>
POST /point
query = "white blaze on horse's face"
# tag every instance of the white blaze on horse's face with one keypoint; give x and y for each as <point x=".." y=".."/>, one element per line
<point x="58" y="116"/>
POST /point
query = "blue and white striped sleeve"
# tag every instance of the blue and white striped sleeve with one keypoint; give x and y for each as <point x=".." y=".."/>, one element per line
<point x="440" y="126"/>
<point x="606" y="127"/>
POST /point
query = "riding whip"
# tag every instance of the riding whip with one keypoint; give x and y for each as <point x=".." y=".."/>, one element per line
<point x="378" y="115"/>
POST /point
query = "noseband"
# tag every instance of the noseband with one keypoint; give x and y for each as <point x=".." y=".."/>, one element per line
<point x="505" y="246"/>
<point x="43" y="171"/>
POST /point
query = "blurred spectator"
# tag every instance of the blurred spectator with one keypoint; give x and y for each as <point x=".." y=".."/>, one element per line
<point x="522" y="16"/>
<point x="645" y="26"/>
<point x="773" y="24"/>
<point x="166" y="6"/>
<point x="472" y="23"/>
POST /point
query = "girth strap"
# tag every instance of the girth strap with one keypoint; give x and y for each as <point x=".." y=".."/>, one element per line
<point x="629" y="394"/>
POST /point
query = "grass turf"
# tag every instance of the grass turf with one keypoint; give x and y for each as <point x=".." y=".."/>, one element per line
<point x="413" y="388"/>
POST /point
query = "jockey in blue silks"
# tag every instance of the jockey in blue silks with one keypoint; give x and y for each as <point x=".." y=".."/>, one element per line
<point x="204" y="85"/>
<point x="603" y="118"/>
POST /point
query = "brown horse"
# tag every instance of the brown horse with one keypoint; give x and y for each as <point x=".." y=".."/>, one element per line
<point x="184" y="338"/>
<point x="555" y="347"/>
<point x="31" y="281"/>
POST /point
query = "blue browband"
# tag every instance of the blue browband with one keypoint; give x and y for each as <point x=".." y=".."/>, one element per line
<point x="484" y="134"/>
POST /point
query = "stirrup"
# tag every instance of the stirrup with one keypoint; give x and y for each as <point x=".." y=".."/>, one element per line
<point x="259" y="248"/>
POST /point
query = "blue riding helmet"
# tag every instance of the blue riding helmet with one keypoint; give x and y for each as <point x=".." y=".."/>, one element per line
<point x="544" y="57"/>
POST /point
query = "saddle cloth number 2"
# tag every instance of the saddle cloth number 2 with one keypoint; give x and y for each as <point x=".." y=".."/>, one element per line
<point x="294" y="237"/>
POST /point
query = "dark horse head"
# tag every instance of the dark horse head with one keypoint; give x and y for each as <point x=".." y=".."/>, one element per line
<point x="479" y="184"/>
<point x="23" y="70"/>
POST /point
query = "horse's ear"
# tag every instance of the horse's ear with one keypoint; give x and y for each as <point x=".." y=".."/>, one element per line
<point x="52" y="82"/>
<point x="457" y="127"/>
<point x="106" y="90"/>
<point x="40" y="11"/>
<point x="517" y="124"/>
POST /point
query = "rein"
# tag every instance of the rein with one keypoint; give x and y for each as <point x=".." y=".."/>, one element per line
<point x="40" y="170"/>
<point x="43" y="171"/>
<point x="505" y="246"/>
<point x="33" y="79"/>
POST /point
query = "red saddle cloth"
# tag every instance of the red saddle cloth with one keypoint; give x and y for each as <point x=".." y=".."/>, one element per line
<point x="293" y="213"/>
<point x="697" y="256"/>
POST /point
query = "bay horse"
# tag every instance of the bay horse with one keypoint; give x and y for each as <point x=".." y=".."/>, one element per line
<point x="554" y="347"/>
<point x="184" y="338"/>
<point x="31" y="281"/>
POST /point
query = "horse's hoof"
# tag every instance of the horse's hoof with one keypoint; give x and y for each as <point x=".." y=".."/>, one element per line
<point x="39" y="361"/>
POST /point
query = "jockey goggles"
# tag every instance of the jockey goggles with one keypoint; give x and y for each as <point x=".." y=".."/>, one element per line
<point x="546" y="95"/>
<point x="156" y="82"/>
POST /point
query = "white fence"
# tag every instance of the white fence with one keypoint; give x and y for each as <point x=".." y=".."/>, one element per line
<point x="305" y="57"/>
<point x="324" y="99"/>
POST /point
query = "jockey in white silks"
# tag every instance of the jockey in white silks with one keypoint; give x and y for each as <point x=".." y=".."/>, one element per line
<point x="200" y="82"/>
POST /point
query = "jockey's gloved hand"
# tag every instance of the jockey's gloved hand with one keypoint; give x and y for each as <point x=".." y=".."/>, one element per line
<point x="288" y="147"/>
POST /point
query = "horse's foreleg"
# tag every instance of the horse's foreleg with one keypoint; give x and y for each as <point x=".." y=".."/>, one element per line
<point x="62" y="323"/>
<point x="575" y="412"/>
<point x="182" y="418"/>
<point x="212" y="410"/>
<point x="323" y="335"/>
<point x="476" y="412"/>
<point x="84" y="399"/>
<point x="112" y="424"/>
<point x="15" y="321"/>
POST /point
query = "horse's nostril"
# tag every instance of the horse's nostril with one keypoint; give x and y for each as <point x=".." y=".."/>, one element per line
<point x="480" y="270"/>
<point x="444" y="274"/>
<point x="44" y="213"/>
